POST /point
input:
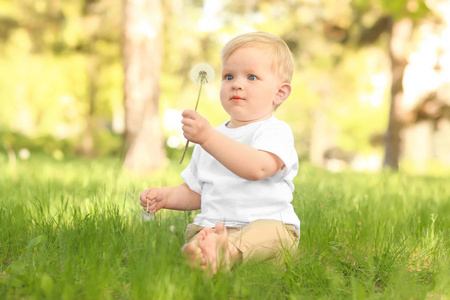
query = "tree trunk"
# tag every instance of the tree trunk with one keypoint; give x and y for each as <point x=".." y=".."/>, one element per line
<point x="142" y="51"/>
<point x="87" y="144"/>
<point x="400" y="35"/>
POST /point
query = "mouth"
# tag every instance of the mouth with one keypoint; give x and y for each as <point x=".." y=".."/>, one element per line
<point x="236" y="98"/>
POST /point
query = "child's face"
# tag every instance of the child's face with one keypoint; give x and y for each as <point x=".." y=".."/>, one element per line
<point x="250" y="88"/>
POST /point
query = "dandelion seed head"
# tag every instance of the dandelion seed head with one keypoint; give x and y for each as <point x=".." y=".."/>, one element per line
<point x="202" y="72"/>
<point x="147" y="217"/>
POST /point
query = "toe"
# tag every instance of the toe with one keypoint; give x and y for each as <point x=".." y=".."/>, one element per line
<point x="220" y="228"/>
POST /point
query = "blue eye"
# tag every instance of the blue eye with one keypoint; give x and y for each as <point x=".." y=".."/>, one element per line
<point x="252" y="78"/>
<point x="228" y="77"/>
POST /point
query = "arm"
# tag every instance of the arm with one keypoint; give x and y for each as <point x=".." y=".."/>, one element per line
<point x="179" y="197"/>
<point x="241" y="159"/>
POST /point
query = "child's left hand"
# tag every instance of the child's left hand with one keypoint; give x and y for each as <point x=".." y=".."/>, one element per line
<point x="195" y="127"/>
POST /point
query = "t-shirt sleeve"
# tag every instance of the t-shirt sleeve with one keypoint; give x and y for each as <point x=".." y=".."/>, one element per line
<point x="277" y="138"/>
<point x="190" y="174"/>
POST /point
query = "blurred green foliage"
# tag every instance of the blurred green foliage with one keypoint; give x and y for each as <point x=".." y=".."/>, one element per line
<point x="61" y="67"/>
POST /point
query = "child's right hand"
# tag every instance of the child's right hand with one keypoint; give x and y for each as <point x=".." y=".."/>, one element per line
<point x="196" y="128"/>
<point x="153" y="199"/>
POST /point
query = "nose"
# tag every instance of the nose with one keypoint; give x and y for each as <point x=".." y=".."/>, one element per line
<point x="236" y="85"/>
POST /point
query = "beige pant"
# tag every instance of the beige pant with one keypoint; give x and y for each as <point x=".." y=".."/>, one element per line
<point x="260" y="240"/>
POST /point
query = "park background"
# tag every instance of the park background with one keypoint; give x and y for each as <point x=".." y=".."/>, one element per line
<point x="102" y="78"/>
<point x="91" y="93"/>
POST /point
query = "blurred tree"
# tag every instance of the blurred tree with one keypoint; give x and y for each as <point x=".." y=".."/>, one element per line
<point x="400" y="33"/>
<point x="89" y="30"/>
<point x="397" y="19"/>
<point x="73" y="47"/>
<point x="61" y="61"/>
<point x="142" y="54"/>
<point x="99" y="45"/>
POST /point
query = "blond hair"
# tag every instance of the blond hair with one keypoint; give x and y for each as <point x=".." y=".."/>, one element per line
<point x="282" y="58"/>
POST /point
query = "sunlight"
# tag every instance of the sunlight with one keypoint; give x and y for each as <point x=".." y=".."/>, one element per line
<point x="429" y="66"/>
<point x="144" y="28"/>
<point x="172" y="127"/>
<point x="210" y="21"/>
<point x="24" y="121"/>
<point x="379" y="83"/>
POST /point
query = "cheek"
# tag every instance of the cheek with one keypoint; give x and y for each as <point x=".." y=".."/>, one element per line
<point x="222" y="97"/>
<point x="222" y="92"/>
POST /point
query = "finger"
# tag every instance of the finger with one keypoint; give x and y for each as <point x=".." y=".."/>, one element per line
<point x="190" y="114"/>
<point x="156" y="197"/>
<point x="142" y="196"/>
<point x="153" y="207"/>
<point x="145" y="194"/>
<point x="146" y="205"/>
<point x="144" y="200"/>
<point x="186" y="129"/>
<point x="187" y="121"/>
<point x="143" y="203"/>
<point x="186" y="113"/>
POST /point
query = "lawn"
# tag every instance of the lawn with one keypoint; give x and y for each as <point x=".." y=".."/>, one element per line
<point x="71" y="229"/>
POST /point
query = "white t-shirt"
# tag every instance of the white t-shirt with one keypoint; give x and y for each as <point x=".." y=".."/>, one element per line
<point x="234" y="201"/>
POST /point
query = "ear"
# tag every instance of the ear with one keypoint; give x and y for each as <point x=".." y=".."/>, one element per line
<point x="283" y="93"/>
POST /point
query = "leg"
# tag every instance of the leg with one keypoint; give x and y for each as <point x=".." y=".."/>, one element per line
<point x="265" y="240"/>
<point x="261" y="240"/>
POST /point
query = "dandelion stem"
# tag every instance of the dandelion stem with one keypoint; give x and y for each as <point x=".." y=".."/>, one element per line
<point x="199" y="92"/>
<point x="184" y="152"/>
<point x="202" y="76"/>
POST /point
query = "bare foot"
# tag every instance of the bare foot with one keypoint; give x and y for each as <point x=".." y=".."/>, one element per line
<point x="214" y="248"/>
<point x="192" y="252"/>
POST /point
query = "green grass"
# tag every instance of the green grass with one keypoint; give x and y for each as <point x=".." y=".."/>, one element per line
<point x="72" y="230"/>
